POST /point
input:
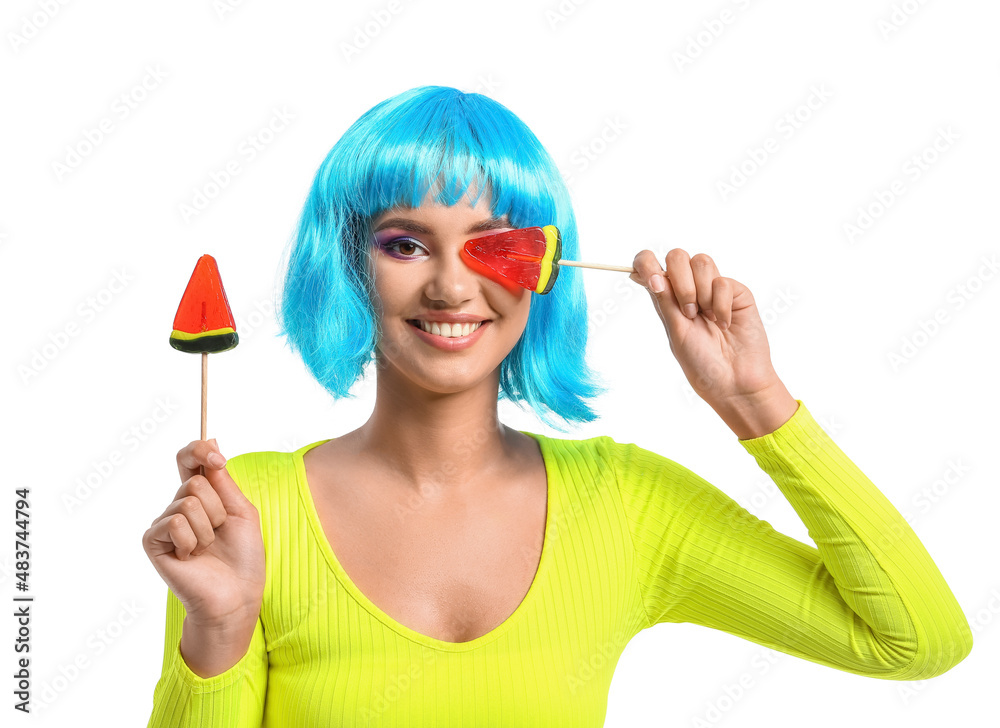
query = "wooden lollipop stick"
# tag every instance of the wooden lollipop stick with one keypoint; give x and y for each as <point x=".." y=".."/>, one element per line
<point x="598" y="266"/>
<point x="204" y="395"/>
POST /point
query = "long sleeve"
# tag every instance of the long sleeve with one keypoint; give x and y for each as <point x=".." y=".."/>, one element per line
<point x="868" y="599"/>
<point x="232" y="699"/>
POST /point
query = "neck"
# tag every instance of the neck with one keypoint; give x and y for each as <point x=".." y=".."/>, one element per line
<point x="439" y="445"/>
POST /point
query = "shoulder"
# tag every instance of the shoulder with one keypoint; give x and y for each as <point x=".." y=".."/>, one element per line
<point x="596" y="455"/>
<point x="562" y="447"/>
<point x="641" y="474"/>
<point x="598" y="449"/>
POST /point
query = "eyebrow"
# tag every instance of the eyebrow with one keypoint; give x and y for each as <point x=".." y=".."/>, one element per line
<point x="492" y="223"/>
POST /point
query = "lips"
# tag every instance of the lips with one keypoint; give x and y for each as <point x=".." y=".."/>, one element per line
<point x="455" y="343"/>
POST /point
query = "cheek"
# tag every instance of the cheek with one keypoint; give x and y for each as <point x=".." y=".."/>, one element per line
<point x="519" y="306"/>
<point x="382" y="291"/>
<point x="508" y="285"/>
<point x="526" y="304"/>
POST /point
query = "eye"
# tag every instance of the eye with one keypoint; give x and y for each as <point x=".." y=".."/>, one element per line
<point x="403" y="247"/>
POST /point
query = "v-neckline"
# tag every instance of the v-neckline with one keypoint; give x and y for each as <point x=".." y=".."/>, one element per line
<point x="530" y="597"/>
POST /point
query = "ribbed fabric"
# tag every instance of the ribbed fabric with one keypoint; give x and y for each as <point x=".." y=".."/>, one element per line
<point x="632" y="539"/>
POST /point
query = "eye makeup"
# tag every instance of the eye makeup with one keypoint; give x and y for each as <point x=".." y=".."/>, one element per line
<point x="391" y="243"/>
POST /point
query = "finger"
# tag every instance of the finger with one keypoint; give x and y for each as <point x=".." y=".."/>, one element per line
<point x="682" y="281"/>
<point x="722" y="302"/>
<point x="668" y="308"/>
<point x="705" y="272"/>
<point x="193" y="456"/>
<point x="644" y="267"/>
<point x="200" y="487"/>
<point x="191" y="508"/>
<point x="233" y="499"/>
<point x="170" y="534"/>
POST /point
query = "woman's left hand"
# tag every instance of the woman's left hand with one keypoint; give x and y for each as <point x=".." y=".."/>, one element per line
<point x="721" y="346"/>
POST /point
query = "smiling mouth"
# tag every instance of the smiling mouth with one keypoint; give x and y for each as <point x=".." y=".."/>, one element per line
<point x="445" y="330"/>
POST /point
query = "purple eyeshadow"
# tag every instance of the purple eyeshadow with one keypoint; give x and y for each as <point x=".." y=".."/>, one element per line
<point x="384" y="238"/>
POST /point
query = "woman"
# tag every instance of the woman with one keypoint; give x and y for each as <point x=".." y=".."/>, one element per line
<point x="437" y="567"/>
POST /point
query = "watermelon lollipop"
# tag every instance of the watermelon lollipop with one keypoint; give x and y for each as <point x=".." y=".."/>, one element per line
<point x="528" y="257"/>
<point x="204" y="322"/>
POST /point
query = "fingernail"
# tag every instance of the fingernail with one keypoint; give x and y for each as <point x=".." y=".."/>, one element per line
<point x="690" y="310"/>
<point x="656" y="283"/>
<point x="216" y="459"/>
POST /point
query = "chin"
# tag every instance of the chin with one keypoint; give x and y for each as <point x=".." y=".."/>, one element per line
<point x="436" y="377"/>
<point x="449" y="380"/>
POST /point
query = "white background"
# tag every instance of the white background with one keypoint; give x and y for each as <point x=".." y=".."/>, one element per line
<point x="645" y="141"/>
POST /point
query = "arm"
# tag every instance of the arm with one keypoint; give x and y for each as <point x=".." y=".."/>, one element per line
<point x="867" y="600"/>
<point x="231" y="699"/>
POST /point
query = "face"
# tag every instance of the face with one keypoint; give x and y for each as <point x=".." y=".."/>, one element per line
<point x="426" y="294"/>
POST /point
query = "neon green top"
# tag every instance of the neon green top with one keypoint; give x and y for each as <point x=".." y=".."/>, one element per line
<point x="631" y="539"/>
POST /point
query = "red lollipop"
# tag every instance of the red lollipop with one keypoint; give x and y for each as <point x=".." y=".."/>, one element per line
<point x="526" y="257"/>
<point x="204" y="323"/>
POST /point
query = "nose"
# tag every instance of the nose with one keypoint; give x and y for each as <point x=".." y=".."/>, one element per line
<point x="450" y="279"/>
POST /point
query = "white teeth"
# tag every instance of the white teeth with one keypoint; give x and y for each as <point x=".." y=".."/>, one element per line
<point x="448" y="330"/>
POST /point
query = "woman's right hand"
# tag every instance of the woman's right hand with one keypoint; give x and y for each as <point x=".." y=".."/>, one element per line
<point x="207" y="545"/>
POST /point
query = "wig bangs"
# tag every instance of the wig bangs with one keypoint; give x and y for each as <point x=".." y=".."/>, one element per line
<point x="457" y="147"/>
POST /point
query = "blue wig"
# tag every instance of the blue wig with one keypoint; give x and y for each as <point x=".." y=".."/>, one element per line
<point x="391" y="157"/>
